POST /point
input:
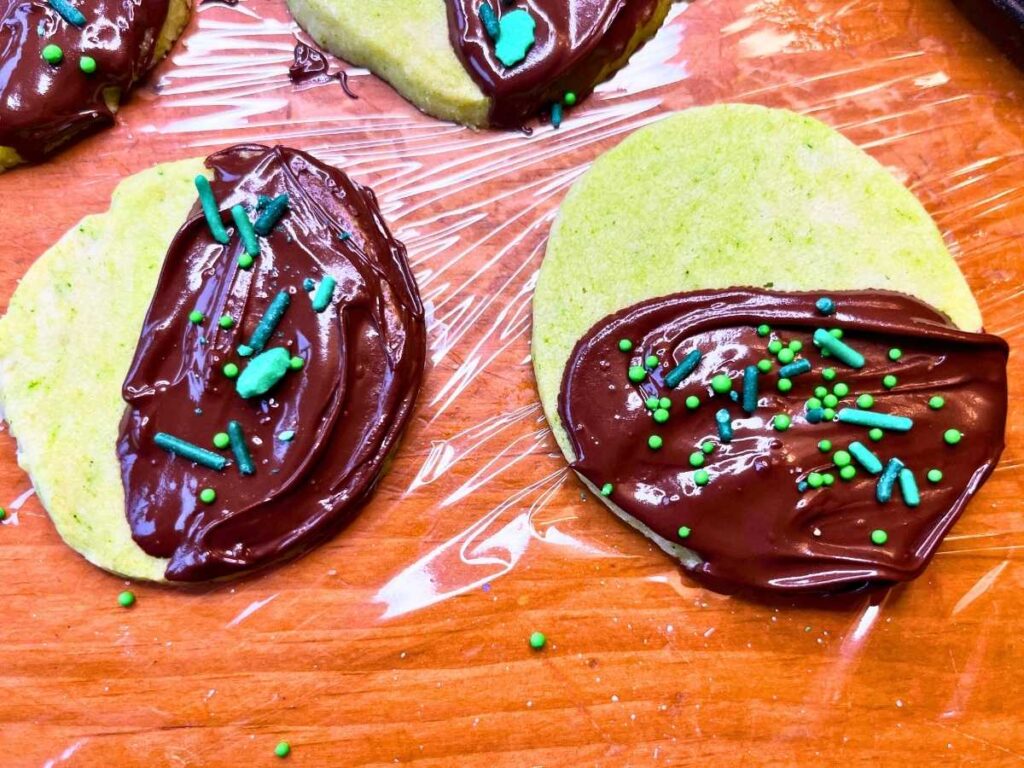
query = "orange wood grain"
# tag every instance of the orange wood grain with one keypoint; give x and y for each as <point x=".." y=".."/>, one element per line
<point x="643" y="667"/>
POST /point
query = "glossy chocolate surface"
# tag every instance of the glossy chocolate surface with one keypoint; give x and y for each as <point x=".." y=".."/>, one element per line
<point x="754" y="525"/>
<point x="347" y="406"/>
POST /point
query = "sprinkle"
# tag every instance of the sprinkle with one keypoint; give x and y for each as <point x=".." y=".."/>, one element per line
<point x="637" y="373"/>
<point x="825" y="446"/>
<point x="934" y="475"/>
<point x="815" y="480"/>
<point x="825" y="305"/>
<point x="210" y="210"/>
<point x="828" y="374"/>
<point x="812" y="403"/>
<point x="908" y="487"/>
<point x="271" y="214"/>
<point x="697" y="459"/>
<point x="830" y="401"/>
<point x="875" y="434"/>
<point x="207" y="495"/>
<point x="865" y="401"/>
<point x="189" y="451"/>
<point x="724" y="425"/>
<point x="309" y="285"/>
<point x="654" y="442"/>
<point x="886" y="483"/>
<point x="775" y="346"/>
<point x="750" y="388"/>
<point x="538" y="641"/>
<point x="936" y="403"/>
<point x="52" y="54"/>
<point x="693" y="402"/>
<point x="701" y="477"/>
<point x="848" y="472"/>
<point x="795" y="368"/>
<point x="721" y="383"/>
<point x="245" y="261"/>
<point x="556" y="115"/>
<point x="785" y="385"/>
<point x="820" y="392"/>
<point x="879" y="537"/>
<point x="606" y="489"/>
<point x="287" y="436"/>
<point x="195" y="316"/>
<point x="126" y="599"/>
<point x="651" y="403"/>
<point x="686" y="366"/>
<point x="802" y="486"/>
<point x="684" y="532"/>
<point x="843" y="352"/>
<point x="68" y="12"/>
<point x="781" y="422"/>
<point x="324" y="293"/>
<point x="795" y="346"/>
<point x="836" y="333"/>
<point x="3" y="514"/>
<point x="516" y="37"/>
<point x="764" y="365"/>
<point x="660" y="415"/>
<point x="763" y="330"/>
<point x="296" y="363"/>
<point x="245" y="230"/>
<point x="221" y="440"/>
<point x="652" y="361"/>
<point x="87" y="64"/>
<point x="952" y="436"/>
<point x="872" y="419"/>
<point x="665" y="403"/>
<point x="841" y="458"/>
<point x="828" y="478"/>
<point x="829" y="414"/>
<point x="263" y="372"/>
<point x="283" y="749"/>
<point x="889" y="381"/>
<point x="230" y="370"/>
<point x="786" y="356"/>
<point x="240" y="449"/>
<point x="840" y="390"/>
<point x="265" y="328"/>
<point x="895" y="354"/>
<point x="625" y="345"/>
<point x="708" y="447"/>
<point x="813" y="415"/>
<point x="244" y="350"/>
<point x="569" y="99"/>
<point x="865" y="457"/>
<point x="490" y="20"/>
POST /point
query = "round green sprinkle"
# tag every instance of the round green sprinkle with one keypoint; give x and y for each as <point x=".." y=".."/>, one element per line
<point x="708" y="447"/>
<point x="230" y="370"/>
<point x="637" y="374"/>
<point x="296" y="363"/>
<point x="829" y="414"/>
<point x="665" y="403"/>
<point x="934" y="475"/>
<point x="625" y="345"/>
<point x="697" y="459"/>
<point x="837" y="333"/>
<point x="895" y="353"/>
<point x="936" y="402"/>
<point x="207" y="495"/>
<point x="795" y="346"/>
<point x="876" y="434"/>
<point x="825" y="446"/>
<point x="841" y="458"/>
<point x="786" y="356"/>
<point x="828" y="478"/>
<point x="226" y="322"/>
<point x="830" y="401"/>
<point x="879" y="537"/>
<point x="775" y="346"/>
<point x="652" y="361"/>
<point x="952" y="436"/>
<point x="781" y="422"/>
<point x="684" y="532"/>
<point x="52" y="54"/>
<point x="569" y="98"/>
<point x="785" y="385"/>
<point x="661" y="415"/>
<point x="820" y="392"/>
<point x="195" y="316"/>
<point x="538" y="641"/>
<point x="651" y="403"/>
<point x="693" y="402"/>
<point x="828" y="374"/>
<point x="721" y="383"/>
<point x="245" y="261"/>
<point x="126" y="599"/>
<point x="87" y="64"/>
<point x="825" y="353"/>
<point x="812" y="403"/>
<point x="815" y="480"/>
<point x="763" y="330"/>
<point x="3" y="513"/>
<point x="865" y="401"/>
<point x="848" y="472"/>
<point x="701" y="477"/>
<point x="283" y="748"/>
<point x="889" y="381"/>
<point x="221" y="440"/>
<point x="606" y="489"/>
<point x="840" y="390"/>
<point x="764" y="365"/>
<point x="654" y="442"/>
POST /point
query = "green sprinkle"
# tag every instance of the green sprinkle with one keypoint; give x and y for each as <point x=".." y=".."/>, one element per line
<point x="265" y="328"/>
<point x="226" y="322"/>
<point x="271" y="214"/>
<point x="889" y="381"/>
<point x="245" y="261"/>
<point x="895" y="354"/>
<point x="569" y="99"/>
<point x="516" y="37"/>
<point x="952" y="436"/>
<point x="665" y="403"/>
<point x="245" y="230"/>
<point x="684" y="532"/>
<point x="3" y="514"/>
<point x="836" y="333"/>
<point x="775" y="346"/>
<point x="87" y="64"/>
<point x="825" y="446"/>
<point x="785" y="385"/>
<point x="781" y="422"/>
<point x="865" y="401"/>
<point x="661" y="415"/>
<point x="652" y="361"/>
<point x="241" y="450"/>
<point x="693" y="402"/>
<point x="879" y="537"/>
<point x="828" y="374"/>
<point x="848" y="472"/>
<point x="812" y="403"/>
<point x="606" y="489"/>
<point x="652" y="403"/>
<point x="489" y="19"/>
<point x="708" y="447"/>
<point x="538" y="641"/>
<point x="283" y="749"/>
<point x="795" y="346"/>
<point x="764" y="365"/>
<point x="936" y="403"/>
<point x="763" y="330"/>
<point x="829" y="414"/>
<point x="831" y="343"/>
<point x="721" y="383"/>
<point x="52" y="54"/>
<point x="230" y="370"/>
<point x="221" y="440"/>
<point x="815" y="480"/>
<point x="287" y="436"/>
<point x="830" y="401"/>
<point x="697" y="459"/>
<point x="189" y="451"/>
<point x="701" y="477"/>
<point x="875" y="434"/>
<point x="625" y="345"/>
<point x="126" y="599"/>
<point x="68" y="12"/>
<point x="840" y="390"/>
<point x="207" y="495"/>
<point x="654" y="442"/>
<point x="296" y="363"/>
<point x="786" y="356"/>
<point x="820" y="392"/>
<point x="196" y="317"/>
<point x="828" y="478"/>
<point x="263" y="372"/>
<point x="637" y="373"/>
<point x="934" y="475"/>
<point x="841" y="458"/>
<point x="210" y="210"/>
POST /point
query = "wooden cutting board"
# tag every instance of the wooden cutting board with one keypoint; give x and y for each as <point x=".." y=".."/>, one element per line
<point x="405" y="639"/>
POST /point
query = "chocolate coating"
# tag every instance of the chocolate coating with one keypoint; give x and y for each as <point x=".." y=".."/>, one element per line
<point x="750" y="525"/>
<point x="363" y="360"/>
<point x="576" y="41"/>
<point x="310" y="67"/>
<point x="44" y="106"/>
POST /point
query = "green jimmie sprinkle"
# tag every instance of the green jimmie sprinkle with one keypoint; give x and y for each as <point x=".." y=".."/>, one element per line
<point x="245" y="230"/>
<point x="324" y="293"/>
<point x="265" y="328"/>
<point x="210" y="210"/>
<point x="271" y="215"/>
<point x="838" y="349"/>
<point x="240" y="449"/>
<point x="263" y="372"/>
<point x="685" y="367"/>
<point x="189" y="451"/>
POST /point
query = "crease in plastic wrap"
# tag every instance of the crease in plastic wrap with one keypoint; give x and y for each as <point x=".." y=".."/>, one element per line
<point x="474" y="209"/>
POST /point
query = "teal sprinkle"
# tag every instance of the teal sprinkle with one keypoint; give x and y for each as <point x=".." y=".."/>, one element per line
<point x="240" y="449"/>
<point x="814" y="415"/>
<point x="516" y="37"/>
<point x="190" y="451"/>
<point x="908" y="487"/>
<point x="245" y="230"/>
<point x="686" y="366"/>
<point x="865" y="457"/>
<point x="886" y="483"/>
<point x="287" y="436"/>
<point x="263" y="372"/>
<point x="795" y="368"/>
<point x="308" y="284"/>
<point x="556" y="115"/>
<point x="324" y="292"/>
<point x="873" y="419"/>
<point x="825" y="305"/>
<point x="265" y="328"/>
<point x="271" y="214"/>
<point x="244" y="350"/>
<point x="750" y="388"/>
<point x="842" y="351"/>
<point x="490" y="21"/>
<point x="68" y="12"/>
<point x="210" y="210"/>
<point x="724" y="425"/>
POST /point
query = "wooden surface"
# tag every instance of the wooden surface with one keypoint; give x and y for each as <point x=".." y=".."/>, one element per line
<point x="405" y="640"/>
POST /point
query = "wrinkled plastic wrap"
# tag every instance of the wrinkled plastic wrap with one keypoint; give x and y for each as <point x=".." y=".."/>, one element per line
<point x="404" y="639"/>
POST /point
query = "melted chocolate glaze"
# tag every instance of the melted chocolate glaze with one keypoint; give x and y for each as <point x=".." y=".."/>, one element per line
<point x="750" y="525"/>
<point x="310" y="67"/>
<point x="43" y="106"/>
<point x="575" y="42"/>
<point x="347" y="406"/>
